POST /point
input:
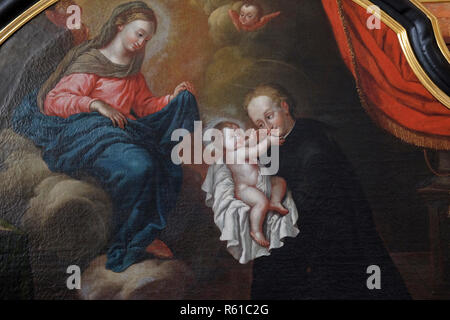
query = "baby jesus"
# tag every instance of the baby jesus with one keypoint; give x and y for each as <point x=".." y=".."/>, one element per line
<point x="245" y="175"/>
<point x="251" y="16"/>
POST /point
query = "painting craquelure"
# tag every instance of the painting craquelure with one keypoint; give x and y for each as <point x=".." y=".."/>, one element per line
<point x="104" y="97"/>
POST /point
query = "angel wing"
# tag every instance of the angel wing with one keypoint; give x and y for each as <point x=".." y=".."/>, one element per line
<point x="262" y="22"/>
<point x="235" y="18"/>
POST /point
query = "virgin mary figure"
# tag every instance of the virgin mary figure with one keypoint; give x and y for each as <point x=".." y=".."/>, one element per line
<point x="95" y="115"/>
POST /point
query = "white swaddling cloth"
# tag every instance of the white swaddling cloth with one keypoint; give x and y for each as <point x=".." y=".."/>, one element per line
<point x="231" y="216"/>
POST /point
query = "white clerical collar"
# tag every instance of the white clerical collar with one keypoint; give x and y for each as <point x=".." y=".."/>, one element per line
<point x="285" y="136"/>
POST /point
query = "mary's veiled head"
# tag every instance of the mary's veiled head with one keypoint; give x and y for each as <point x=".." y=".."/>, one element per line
<point x="127" y="21"/>
<point x="135" y="23"/>
<point x="134" y="35"/>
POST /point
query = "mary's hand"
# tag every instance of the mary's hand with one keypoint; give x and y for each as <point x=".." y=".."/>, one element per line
<point x="186" y="85"/>
<point x="117" y="118"/>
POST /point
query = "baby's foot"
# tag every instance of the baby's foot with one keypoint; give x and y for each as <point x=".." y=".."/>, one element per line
<point x="159" y="249"/>
<point x="278" y="207"/>
<point x="259" y="238"/>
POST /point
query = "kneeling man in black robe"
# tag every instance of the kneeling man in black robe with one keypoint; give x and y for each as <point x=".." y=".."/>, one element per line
<point x="338" y="253"/>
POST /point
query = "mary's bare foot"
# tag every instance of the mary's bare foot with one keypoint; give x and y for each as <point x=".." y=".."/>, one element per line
<point x="278" y="207"/>
<point x="159" y="249"/>
<point x="260" y="239"/>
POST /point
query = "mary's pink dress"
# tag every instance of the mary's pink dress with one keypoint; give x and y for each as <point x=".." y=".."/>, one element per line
<point x="130" y="95"/>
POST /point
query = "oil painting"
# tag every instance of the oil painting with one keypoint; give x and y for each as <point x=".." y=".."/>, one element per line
<point x="225" y="150"/>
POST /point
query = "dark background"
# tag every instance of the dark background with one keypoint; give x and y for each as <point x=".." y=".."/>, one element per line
<point x="9" y="9"/>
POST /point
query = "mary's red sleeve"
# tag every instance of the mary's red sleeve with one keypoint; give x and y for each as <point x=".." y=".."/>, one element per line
<point x="145" y="102"/>
<point x="71" y="95"/>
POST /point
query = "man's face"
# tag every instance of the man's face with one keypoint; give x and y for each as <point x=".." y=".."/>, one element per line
<point x="265" y="114"/>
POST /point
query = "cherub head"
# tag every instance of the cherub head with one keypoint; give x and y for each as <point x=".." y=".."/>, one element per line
<point x="58" y="13"/>
<point x="251" y="13"/>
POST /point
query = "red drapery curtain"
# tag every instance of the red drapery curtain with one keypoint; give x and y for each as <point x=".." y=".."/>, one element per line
<point x="389" y="90"/>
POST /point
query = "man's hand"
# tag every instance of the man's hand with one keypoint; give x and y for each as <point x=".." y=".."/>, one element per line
<point x="117" y="118"/>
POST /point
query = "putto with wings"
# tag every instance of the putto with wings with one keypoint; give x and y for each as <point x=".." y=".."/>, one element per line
<point x="251" y="16"/>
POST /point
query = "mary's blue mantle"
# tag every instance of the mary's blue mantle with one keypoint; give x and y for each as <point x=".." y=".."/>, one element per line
<point x="133" y="165"/>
